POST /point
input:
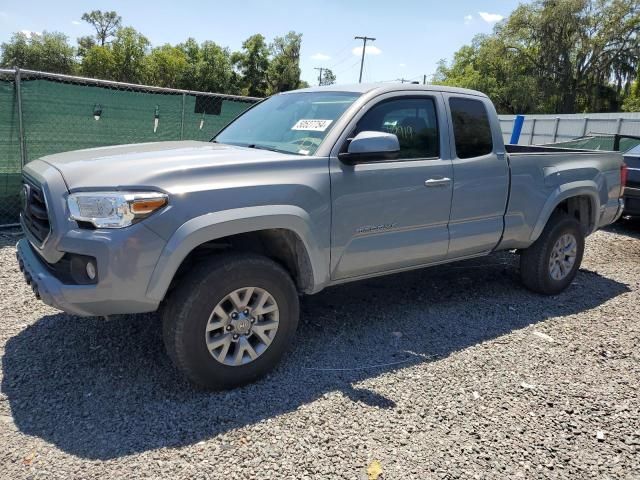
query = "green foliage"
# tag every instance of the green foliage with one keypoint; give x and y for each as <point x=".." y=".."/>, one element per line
<point x="554" y="56"/>
<point x="214" y="70"/>
<point x="165" y="66"/>
<point x="632" y="102"/>
<point x="98" y="62"/>
<point x="129" y="49"/>
<point x="49" y="51"/>
<point x="85" y="44"/>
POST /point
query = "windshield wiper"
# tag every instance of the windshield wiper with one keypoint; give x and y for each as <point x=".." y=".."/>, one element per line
<point x="265" y="147"/>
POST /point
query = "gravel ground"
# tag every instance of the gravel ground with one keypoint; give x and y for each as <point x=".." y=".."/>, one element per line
<point x="451" y="372"/>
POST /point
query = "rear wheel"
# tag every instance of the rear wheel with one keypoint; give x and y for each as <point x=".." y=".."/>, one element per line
<point x="231" y="320"/>
<point x="551" y="263"/>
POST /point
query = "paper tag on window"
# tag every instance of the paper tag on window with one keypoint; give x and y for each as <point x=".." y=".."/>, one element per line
<point x="312" y="125"/>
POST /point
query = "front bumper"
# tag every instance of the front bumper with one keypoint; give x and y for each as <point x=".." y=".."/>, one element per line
<point x="125" y="258"/>
<point x="110" y="296"/>
<point x="632" y="201"/>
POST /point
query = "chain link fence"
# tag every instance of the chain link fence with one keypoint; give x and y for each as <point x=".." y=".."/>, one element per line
<point x="43" y="113"/>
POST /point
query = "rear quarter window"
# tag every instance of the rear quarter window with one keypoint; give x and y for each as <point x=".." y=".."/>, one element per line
<point x="471" y="127"/>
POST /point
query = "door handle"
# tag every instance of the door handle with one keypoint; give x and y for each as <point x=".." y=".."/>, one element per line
<point x="437" y="182"/>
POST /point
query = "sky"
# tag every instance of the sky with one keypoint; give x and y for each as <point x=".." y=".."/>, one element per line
<point x="411" y="35"/>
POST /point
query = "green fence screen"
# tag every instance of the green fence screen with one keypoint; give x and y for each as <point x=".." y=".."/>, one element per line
<point x="61" y="114"/>
<point x="10" y="164"/>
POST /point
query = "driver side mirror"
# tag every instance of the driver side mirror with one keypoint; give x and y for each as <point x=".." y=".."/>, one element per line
<point x="370" y="146"/>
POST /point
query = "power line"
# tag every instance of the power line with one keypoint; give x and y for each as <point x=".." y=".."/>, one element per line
<point x="364" y="48"/>
<point x="342" y="70"/>
<point x="340" y="57"/>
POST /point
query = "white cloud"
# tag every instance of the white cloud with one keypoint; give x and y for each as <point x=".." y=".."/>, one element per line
<point x="321" y="56"/>
<point x="371" y="50"/>
<point x="75" y="22"/>
<point x="468" y="19"/>
<point x="30" y="33"/>
<point x="490" y="17"/>
<point x="402" y="65"/>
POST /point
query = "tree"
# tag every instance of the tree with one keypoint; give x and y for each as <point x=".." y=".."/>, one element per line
<point x="555" y="56"/>
<point x="105" y="23"/>
<point x="49" y="51"/>
<point x="165" y="66"/>
<point x="632" y="102"/>
<point x="328" y="77"/>
<point x="284" y="70"/>
<point x="253" y="63"/>
<point x="191" y="51"/>
<point x="129" y="48"/>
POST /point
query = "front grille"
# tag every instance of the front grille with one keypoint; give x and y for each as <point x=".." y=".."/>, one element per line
<point x="34" y="210"/>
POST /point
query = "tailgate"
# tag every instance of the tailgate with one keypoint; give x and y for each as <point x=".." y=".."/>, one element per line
<point x="633" y="171"/>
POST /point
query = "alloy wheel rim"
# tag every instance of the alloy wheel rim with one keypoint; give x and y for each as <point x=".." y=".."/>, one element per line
<point x="563" y="256"/>
<point x="242" y="326"/>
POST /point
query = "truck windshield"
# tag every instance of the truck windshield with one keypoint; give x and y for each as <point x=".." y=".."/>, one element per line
<point x="291" y="123"/>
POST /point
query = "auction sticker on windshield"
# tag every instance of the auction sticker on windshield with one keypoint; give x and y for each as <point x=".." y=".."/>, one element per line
<point x="312" y="125"/>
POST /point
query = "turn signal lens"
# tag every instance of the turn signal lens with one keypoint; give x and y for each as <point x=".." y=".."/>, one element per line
<point x="145" y="207"/>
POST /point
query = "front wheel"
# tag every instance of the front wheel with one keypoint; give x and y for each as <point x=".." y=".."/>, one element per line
<point x="231" y="321"/>
<point x="552" y="262"/>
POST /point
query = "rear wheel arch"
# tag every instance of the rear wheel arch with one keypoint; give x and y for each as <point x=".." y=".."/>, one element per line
<point x="580" y="207"/>
<point x="581" y="204"/>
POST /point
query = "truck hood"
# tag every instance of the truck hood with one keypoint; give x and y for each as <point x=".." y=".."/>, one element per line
<point x="171" y="166"/>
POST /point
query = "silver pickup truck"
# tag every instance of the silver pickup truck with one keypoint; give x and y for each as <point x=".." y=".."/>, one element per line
<point x="305" y="190"/>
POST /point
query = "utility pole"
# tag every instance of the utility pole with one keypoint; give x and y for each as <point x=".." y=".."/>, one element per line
<point x="320" y="75"/>
<point x="424" y="79"/>
<point x="364" y="47"/>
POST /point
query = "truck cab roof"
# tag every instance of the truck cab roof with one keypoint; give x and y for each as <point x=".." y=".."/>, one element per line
<point x="380" y="88"/>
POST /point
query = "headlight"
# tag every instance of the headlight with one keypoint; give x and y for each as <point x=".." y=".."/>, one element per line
<point x="114" y="209"/>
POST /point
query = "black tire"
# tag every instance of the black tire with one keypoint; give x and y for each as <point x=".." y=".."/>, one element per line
<point x="189" y="306"/>
<point x="534" y="261"/>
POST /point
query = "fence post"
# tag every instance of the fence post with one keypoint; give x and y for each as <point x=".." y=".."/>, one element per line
<point x="184" y="98"/>
<point x="23" y="152"/>
<point x="533" y="129"/>
<point x="517" y="129"/>
<point x="555" y="129"/>
<point x="584" y="127"/>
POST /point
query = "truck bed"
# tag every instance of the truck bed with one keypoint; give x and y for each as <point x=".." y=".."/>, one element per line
<point x="540" y="176"/>
<point x="511" y="148"/>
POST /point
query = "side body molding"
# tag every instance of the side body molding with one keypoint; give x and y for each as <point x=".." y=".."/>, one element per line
<point x="567" y="190"/>
<point x="215" y="225"/>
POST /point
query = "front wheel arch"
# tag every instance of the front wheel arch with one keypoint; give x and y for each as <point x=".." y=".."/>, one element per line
<point x="215" y="227"/>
